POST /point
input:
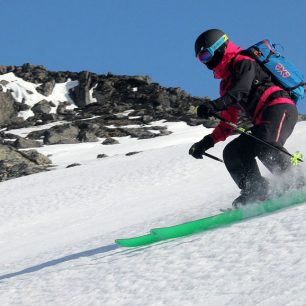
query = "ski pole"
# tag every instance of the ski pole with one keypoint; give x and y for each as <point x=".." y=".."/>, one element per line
<point x="213" y="157"/>
<point x="296" y="157"/>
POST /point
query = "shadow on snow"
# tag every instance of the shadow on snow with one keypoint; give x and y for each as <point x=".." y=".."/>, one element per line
<point x="54" y="262"/>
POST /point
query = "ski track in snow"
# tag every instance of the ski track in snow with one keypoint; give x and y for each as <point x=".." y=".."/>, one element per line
<point x="57" y="232"/>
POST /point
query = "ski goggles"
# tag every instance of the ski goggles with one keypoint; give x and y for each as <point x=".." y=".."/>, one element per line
<point x="205" y="55"/>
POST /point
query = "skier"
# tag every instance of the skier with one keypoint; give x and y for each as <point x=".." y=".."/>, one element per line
<point x="245" y="87"/>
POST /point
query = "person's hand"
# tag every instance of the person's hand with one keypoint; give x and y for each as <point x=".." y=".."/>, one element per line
<point x="199" y="148"/>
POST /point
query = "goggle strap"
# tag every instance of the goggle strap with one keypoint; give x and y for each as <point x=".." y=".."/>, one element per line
<point x="217" y="44"/>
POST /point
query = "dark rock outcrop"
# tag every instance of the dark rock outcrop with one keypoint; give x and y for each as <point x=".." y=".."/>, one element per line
<point x="81" y="93"/>
<point x="14" y="163"/>
<point x="24" y="143"/>
<point x="102" y="155"/>
<point x="46" y="88"/>
<point x="112" y="95"/>
<point x="42" y="107"/>
<point x="8" y="112"/>
<point x="110" y="141"/>
<point x="62" y="134"/>
<point x="73" y="165"/>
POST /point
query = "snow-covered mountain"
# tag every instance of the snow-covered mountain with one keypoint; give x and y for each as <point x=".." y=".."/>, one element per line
<point x="57" y="230"/>
<point x="40" y="96"/>
<point x="79" y="107"/>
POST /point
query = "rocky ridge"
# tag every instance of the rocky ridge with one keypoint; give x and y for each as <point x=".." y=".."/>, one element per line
<point x="99" y="101"/>
<point x="93" y="104"/>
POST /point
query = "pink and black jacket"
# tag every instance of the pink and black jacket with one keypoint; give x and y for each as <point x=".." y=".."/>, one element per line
<point x="244" y="86"/>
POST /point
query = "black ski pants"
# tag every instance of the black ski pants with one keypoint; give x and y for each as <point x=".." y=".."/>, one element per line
<point x="239" y="155"/>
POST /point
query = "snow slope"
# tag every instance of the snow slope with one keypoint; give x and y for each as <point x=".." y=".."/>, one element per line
<point x="57" y="231"/>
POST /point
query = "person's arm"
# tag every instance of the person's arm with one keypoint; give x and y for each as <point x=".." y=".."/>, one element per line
<point x="244" y="73"/>
<point x="223" y="130"/>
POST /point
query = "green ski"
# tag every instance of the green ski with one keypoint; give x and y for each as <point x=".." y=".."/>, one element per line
<point x="216" y="221"/>
<point x="137" y="241"/>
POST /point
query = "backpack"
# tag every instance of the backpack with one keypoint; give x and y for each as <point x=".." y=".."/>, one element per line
<point x="283" y="72"/>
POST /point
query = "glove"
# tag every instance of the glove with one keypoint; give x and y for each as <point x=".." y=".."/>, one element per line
<point x="205" y="110"/>
<point x="199" y="148"/>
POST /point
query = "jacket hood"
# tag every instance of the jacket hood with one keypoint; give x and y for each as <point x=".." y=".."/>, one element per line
<point x="221" y="71"/>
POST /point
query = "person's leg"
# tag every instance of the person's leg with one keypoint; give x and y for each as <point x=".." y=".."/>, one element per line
<point x="278" y="122"/>
<point x="239" y="158"/>
<point x="239" y="155"/>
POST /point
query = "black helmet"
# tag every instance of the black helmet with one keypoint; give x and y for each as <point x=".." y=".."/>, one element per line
<point x="207" y="40"/>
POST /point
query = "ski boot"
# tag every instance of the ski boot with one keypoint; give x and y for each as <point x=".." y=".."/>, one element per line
<point x="257" y="192"/>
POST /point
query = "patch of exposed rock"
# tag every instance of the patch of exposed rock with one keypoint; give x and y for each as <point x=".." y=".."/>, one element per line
<point x="8" y="112"/>
<point x="95" y="95"/>
<point x="14" y="163"/>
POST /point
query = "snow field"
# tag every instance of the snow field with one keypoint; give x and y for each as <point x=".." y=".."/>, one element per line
<point x="57" y="231"/>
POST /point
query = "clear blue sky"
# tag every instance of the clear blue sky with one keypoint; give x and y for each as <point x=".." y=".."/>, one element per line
<point x="141" y="37"/>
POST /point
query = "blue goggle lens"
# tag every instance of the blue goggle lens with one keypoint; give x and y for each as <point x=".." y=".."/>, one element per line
<point x="205" y="56"/>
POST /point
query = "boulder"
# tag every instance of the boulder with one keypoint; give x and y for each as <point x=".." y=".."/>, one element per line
<point x="140" y="133"/>
<point x="7" y="110"/>
<point x="42" y="107"/>
<point x="62" y="108"/>
<point x="14" y="163"/>
<point x="132" y="153"/>
<point x="73" y="165"/>
<point x="102" y="155"/>
<point x="46" y="88"/>
<point x="35" y="157"/>
<point x="20" y="107"/>
<point x="87" y="136"/>
<point x="80" y="93"/>
<point x="110" y="141"/>
<point x="24" y="143"/>
<point x="61" y="134"/>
